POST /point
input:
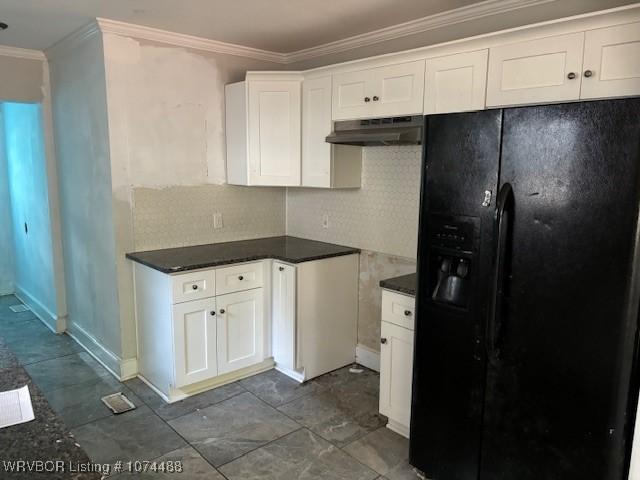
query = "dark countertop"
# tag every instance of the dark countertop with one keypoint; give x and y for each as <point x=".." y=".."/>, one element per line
<point x="288" y="249"/>
<point x="45" y="438"/>
<point x="405" y="284"/>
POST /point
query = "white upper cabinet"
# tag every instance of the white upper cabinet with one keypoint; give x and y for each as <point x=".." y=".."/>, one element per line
<point x="456" y="83"/>
<point x="325" y="165"/>
<point x="352" y="94"/>
<point x="611" y="62"/>
<point x="537" y="71"/>
<point x="399" y="89"/>
<point x="264" y="130"/>
<point x="316" y="125"/>
<point x="379" y="92"/>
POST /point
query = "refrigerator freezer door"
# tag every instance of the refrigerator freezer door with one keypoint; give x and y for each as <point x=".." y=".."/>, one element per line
<point x="455" y="243"/>
<point x="557" y="401"/>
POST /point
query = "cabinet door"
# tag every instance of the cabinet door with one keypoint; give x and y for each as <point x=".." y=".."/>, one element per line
<point x="316" y="125"/>
<point x="240" y="330"/>
<point x="274" y="132"/>
<point x="396" y="367"/>
<point x="398" y="89"/>
<point x="456" y="83"/>
<point x="284" y="314"/>
<point x="537" y="71"/>
<point x="194" y="341"/>
<point x="352" y="93"/>
<point x="612" y="61"/>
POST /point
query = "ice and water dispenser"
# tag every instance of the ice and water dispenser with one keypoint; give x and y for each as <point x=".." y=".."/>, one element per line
<point x="451" y="259"/>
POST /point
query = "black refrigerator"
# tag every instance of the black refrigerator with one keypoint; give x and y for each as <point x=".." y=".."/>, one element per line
<point x="528" y="289"/>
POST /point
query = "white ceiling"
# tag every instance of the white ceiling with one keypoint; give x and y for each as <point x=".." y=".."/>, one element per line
<point x="276" y="25"/>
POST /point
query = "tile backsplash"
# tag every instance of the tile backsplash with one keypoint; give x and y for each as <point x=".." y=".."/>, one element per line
<point x="382" y="216"/>
<point x="184" y="215"/>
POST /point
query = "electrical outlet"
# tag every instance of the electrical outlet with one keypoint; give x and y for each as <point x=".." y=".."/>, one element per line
<point x="217" y="220"/>
<point x="325" y="220"/>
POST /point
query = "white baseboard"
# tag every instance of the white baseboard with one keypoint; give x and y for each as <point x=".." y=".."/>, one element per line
<point x="398" y="428"/>
<point x="367" y="357"/>
<point x="297" y="376"/>
<point x="122" y="369"/>
<point x="57" y="324"/>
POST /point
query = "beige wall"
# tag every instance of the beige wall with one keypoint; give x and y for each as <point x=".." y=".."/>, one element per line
<point x="166" y="132"/>
<point x="21" y="79"/>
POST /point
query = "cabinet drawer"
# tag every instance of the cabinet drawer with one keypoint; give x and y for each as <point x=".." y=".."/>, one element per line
<point x="193" y="285"/>
<point x="398" y="309"/>
<point x="238" y="277"/>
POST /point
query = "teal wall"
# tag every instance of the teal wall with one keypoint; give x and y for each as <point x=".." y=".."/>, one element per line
<point x="29" y="200"/>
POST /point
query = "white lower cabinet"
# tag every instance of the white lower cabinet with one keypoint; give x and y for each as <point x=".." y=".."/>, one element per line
<point x="396" y="362"/>
<point x="240" y="322"/>
<point x="194" y="341"/>
<point x="314" y="313"/>
<point x="188" y="346"/>
<point x="283" y="284"/>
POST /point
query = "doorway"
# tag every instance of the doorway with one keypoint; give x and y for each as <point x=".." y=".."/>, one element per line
<point x="27" y="261"/>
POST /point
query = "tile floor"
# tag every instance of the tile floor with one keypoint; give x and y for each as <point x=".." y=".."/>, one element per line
<point x="263" y="427"/>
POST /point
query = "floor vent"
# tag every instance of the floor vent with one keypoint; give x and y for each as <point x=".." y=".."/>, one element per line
<point x="118" y="403"/>
<point x="19" y="308"/>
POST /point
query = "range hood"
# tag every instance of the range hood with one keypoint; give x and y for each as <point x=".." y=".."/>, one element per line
<point x="405" y="130"/>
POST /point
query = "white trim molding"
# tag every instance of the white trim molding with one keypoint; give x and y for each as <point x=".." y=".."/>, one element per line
<point x="431" y="22"/>
<point x="70" y="42"/>
<point x="187" y="41"/>
<point x="413" y="27"/>
<point x="16" y="52"/>
<point x="367" y="357"/>
<point x="53" y="321"/>
<point x="122" y="369"/>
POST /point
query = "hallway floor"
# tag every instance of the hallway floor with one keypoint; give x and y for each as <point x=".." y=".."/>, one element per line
<point x="263" y="427"/>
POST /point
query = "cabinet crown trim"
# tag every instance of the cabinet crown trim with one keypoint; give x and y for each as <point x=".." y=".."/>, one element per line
<point x="420" y="25"/>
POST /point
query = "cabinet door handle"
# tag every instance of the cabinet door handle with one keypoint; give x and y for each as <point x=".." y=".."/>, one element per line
<point x="588" y="73"/>
<point x="195" y="287"/>
<point x="213" y="314"/>
<point x="367" y="99"/>
<point x="407" y="313"/>
<point x="571" y="75"/>
<point x="222" y="311"/>
<point x="383" y="340"/>
<point x="240" y="278"/>
<point x="375" y="98"/>
<point x="281" y="269"/>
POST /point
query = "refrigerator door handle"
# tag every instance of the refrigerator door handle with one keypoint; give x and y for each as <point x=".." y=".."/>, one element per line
<point x="504" y="204"/>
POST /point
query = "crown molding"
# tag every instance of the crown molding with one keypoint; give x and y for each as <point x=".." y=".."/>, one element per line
<point x="439" y="20"/>
<point x="70" y="42"/>
<point x="16" y="52"/>
<point x="420" y="25"/>
<point x="459" y="15"/>
<point x="188" y="41"/>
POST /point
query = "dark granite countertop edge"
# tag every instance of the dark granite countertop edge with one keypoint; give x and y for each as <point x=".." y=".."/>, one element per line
<point x="400" y="284"/>
<point x="252" y="258"/>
